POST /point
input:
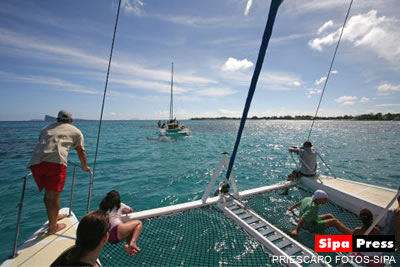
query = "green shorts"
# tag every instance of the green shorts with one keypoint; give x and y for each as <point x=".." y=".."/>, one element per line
<point x="317" y="226"/>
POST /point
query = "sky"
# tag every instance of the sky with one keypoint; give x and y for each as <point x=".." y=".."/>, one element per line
<point x="54" y="55"/>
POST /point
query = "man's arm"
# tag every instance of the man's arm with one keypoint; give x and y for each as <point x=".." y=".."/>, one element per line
<point x="294" y="206"/>
<point x="82" y="158"/>
<point x="298" y="227"/>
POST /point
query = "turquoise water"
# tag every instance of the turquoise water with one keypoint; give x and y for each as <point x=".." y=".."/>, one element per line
<point x="152" y="171"/>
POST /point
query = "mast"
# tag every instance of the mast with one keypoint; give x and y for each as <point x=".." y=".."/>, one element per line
<point x="171" y="106"/>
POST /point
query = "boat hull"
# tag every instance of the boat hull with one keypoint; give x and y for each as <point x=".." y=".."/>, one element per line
<point x="353" y="196"/>
<point x="42" y="249"/>
<point x="183" y="132"/>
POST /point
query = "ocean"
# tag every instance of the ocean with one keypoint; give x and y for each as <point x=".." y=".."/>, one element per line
<point x="151" y="171"/>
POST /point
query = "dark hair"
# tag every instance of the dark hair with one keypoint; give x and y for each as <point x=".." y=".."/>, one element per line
<point x="110" y="201"/>
<point x="63" y="120"/>
<point x="366" y="217"/>
<point x="307" y="144"/>
<point x="91" y="230"/>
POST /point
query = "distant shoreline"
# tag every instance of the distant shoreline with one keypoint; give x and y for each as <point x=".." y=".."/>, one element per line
<point x="363" y="117"/>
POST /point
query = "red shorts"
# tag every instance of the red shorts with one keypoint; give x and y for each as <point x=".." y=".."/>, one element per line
<point x="113" y="237"/>
<point x="50" y="176"/>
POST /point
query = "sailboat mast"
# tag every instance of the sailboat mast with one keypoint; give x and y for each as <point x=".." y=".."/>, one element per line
<point x="171" y="107"/>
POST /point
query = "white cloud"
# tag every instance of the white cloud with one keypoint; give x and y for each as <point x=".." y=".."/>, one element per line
<point x="132" y="6"/>
<point x="326" y="25"/>
<point x="364" y="99"/>
<point x="387" y="88"/>
<point x="232" y="64"/>
<point x="323" y="78"/>
<point x="367" y="30"/>
<point x="312" y="91"/>
<point x="52" y="82"/>
<point x="346" y="100"/>
<point x="296" y="83"/>
<point x="249" y="3"/>
<point x="279" y="81"/>
<point x="215" y="92"/>
<point x="320" y="81"/>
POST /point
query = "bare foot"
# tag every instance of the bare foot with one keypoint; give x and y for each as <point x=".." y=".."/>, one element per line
<point x="59" y="227"/>
<point x="132" y="244"/>
<point x="130" y="250"/>
<point x="61" y="216"/>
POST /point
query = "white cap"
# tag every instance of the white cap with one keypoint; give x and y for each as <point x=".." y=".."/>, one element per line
<point x="319" y="194"/>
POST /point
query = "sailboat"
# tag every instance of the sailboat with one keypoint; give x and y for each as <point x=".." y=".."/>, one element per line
<point x="172" y="127"/>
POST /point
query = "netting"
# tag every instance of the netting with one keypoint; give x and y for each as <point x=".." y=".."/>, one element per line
<point x="205" y="237"/>
<point x="272" y="206"/>
<point x="201" y="237"/>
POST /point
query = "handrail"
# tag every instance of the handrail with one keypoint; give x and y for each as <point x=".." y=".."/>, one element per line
<point x="21" y="203"/>
<point x="90" y="185"/>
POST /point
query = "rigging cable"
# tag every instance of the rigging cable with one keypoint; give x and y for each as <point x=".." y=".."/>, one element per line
<point x="261" y="54"/>
<point x="330" y="69"/>
<point x="105" y="89"/>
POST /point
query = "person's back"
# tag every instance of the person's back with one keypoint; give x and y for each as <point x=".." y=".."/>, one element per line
<point x="309" y="211"/>
<point x="308" y="158"/>
<point x="55" y="142"/>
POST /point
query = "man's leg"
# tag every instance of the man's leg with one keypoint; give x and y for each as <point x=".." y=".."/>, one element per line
<point x="52" y="202"/>
<point x="291" y="177"/>
<point x="327" y="216"/>
<point x="333" y="222"/>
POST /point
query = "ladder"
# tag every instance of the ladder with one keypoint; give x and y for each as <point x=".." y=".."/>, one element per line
<point x="269" y="236"/>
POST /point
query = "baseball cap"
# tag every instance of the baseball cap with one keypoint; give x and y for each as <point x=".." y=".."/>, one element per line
<point x="319" y="194"/>
<point x="64" y="115"/>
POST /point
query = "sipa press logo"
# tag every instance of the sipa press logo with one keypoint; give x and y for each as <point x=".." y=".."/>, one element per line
<point x="354" y="243"/>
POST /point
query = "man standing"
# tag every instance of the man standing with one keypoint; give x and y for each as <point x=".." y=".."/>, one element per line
<point x="49" y="163"/>
<point x="308" y="161"/>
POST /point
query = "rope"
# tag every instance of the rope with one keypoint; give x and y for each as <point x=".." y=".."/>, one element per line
<point x="105" y="89"/>
<point x="330" y="69"/>
<point x="261" y="54"/>
<point x="326" y="165"/>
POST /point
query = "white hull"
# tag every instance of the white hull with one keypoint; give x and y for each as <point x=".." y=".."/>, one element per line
<point x="41" y="249"/>
<point x="185" y="131"/>
<point x="353" y="196"/>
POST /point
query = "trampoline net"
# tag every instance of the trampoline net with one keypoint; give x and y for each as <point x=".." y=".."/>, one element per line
<point x="200" y="237"/>
<point x="205" y="237"/>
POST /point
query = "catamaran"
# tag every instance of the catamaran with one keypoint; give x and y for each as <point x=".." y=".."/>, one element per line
<point x="172" y="127"/>
<point x="231" y="227"/>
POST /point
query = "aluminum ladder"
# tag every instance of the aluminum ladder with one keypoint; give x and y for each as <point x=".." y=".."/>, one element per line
<point x="269" y="236"/>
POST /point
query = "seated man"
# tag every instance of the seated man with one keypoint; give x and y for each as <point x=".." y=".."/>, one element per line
<point x="308" y="160"/>
<point x="311" y="221"/>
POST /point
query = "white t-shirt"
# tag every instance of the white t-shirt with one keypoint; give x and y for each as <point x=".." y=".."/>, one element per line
<point x="55" y="142"/>
<point x="115" y="214"/>
<point x="308" y="160"/>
